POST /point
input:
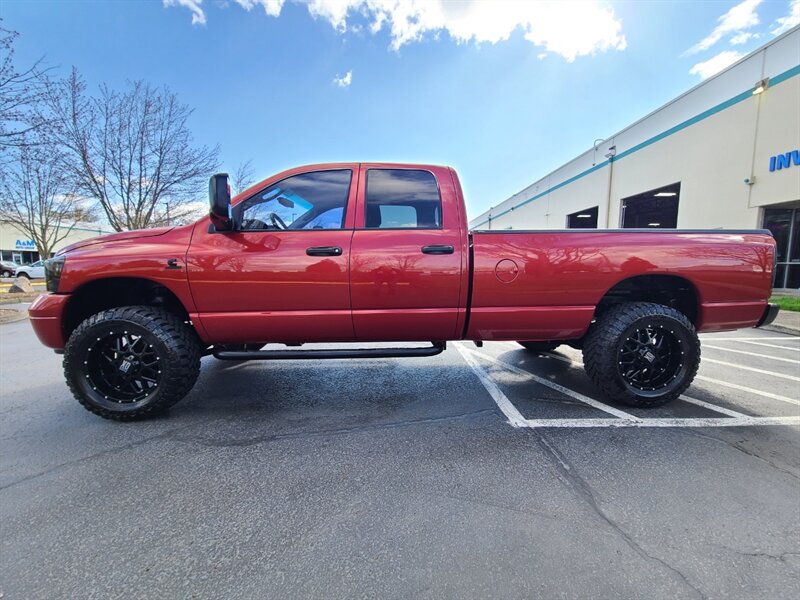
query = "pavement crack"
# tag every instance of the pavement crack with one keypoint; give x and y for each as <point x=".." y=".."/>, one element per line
<point x="486" y="504"/>
<point x="271" y="437"/>
<point x="582" y="488"/>
<point x="90" y="457"/>
<point x="741" y="449"/>
<point x="759" y="554"/>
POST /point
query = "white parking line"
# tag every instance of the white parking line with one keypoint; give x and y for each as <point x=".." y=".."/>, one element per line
<point x="686" y="422"/>
<point x="749" y="390"/>
<point x="559" y="388"/>
<point x="786" y="338"/>
<point x="514" y="417"/>
<point x="690" y="400"/>
<point x="752" y="369"/>
<point x="714" y="407"/>
<point x="771" y="345"/>
<point x="756" y="354"/>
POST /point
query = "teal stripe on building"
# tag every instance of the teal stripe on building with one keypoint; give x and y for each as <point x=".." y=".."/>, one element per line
<point x="778" y="79"/>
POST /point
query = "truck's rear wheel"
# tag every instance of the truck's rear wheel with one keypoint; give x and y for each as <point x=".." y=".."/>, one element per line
<point x="131" y="362"/>
<point x="642" y="354"/>
<point x="540" y="346"/>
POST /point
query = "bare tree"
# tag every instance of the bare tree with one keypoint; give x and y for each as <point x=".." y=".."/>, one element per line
<point x="243" y="176"/>
<point x="19" y="91"/>
<point x="132" y="151"/>
<point x="37" y="197"/>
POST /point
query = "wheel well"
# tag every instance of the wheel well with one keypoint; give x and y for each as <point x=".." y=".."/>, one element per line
<point x="103" y="294"/>
<point x="669" y="290"/>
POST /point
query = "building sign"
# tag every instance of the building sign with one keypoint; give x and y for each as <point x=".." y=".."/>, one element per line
<point x="25" y="245"/>
<point x="784" y="161"/>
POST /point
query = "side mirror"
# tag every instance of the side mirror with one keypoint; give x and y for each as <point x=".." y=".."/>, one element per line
<point x="219" y="200"/>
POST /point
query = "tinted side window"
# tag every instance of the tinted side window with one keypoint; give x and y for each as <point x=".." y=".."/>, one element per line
<point x="313" y="200"/>
<point x="402" y="199"/>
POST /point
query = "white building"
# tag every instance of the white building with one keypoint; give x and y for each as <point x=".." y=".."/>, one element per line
<point x="16" y="245"/>
<point x="726" y="154"/>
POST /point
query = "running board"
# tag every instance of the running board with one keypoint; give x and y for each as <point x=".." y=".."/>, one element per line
<point x="432" y="350"/>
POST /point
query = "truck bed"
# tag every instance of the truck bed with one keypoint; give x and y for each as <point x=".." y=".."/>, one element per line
<point x="540" y="285"/>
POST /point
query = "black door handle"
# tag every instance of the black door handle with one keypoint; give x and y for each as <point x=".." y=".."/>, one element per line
<point x="438" y="249"/>
<point x="324" y="251"/>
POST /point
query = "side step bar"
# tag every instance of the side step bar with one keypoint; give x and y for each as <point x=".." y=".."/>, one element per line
<point x="432" y="350"/>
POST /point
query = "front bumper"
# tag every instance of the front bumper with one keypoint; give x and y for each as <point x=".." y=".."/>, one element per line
<point x="770" y="312"/>
<point x="47" y="316"/>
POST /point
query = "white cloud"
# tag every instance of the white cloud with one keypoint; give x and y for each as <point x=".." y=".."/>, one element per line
<point x="743" y="38"/>
<point x="343" y="81"/>
<point x="195" y="6"/>
<point x="741" y="17"/>
<point x="570" y="29"/>
<point x="271" y="7"/>
<point x="715" y="64"/>
<point x="786" y="23"/>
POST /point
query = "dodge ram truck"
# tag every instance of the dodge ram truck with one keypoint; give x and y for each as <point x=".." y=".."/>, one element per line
<point x="353" y="253"/>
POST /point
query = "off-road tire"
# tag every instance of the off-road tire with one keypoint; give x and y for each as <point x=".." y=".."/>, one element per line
<point x="171" y="339"/>
<point x="540" y="346"/>
<point x="604" y="343"/>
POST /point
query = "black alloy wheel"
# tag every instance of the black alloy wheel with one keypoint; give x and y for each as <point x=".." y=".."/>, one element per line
<point x="641" y="353"/>
<point x="123" y="366"/>
<point x="650" y="358"/>
<point x="131" y="362"/>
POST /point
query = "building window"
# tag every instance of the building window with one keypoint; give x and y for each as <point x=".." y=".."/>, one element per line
<point x="784" y="223"/>
<point x="583" y="219"/>
<point x="656" y="209"/>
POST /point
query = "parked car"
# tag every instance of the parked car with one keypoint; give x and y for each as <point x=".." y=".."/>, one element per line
<point x="32" y="271"/>
<point x="382" y="253"/>
<point x="8" y="268"/>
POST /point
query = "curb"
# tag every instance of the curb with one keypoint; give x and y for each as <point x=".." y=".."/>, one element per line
<point x="23" y="314"/>
<point x="781" y="329"/>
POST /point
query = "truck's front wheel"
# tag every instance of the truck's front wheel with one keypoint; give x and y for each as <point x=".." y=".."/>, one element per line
<point x="131" y="362"/>
<point x="642" y="354"/>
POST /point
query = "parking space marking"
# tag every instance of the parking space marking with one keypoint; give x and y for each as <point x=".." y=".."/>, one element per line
<point x="753" y="369"/>
<point x="770" y="345"/>
<point x="735" y="386"/>
<point x="559" y="388"/>
<point x="663" y="422"/>
<point x="786" y="338"/>
<point x="769" y="356"/>
<point x="714" y="407"/>
<point x="749" y="390"/>
<point x="516" y="419"/>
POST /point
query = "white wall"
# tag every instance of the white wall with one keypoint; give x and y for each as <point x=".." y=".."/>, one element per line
<point x="729" y="137"/>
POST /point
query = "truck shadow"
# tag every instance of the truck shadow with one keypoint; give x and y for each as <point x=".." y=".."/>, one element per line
<point x="244" y="402"/>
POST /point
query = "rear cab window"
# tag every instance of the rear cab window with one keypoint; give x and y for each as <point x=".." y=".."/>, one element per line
<point x="402" y="199"/>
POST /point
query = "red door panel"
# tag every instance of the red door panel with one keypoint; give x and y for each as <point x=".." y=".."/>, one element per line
<point x="399" y="292"/>
<point x="276" y="285"/>
<point x="262" y="286"/>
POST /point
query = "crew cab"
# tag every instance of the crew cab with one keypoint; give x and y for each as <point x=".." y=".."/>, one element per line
<point x="351" y="253"/>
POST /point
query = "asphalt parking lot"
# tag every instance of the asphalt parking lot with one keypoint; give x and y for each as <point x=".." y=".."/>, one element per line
<point x="478" y="473"/>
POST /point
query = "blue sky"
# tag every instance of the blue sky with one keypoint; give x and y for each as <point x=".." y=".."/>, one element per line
<point x="504" y="91"/>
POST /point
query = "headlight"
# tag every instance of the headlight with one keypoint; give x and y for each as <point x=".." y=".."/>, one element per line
<point x="52" y="272"/>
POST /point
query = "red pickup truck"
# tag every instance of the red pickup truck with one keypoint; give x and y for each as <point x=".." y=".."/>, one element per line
<point x="359" y="252"/>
